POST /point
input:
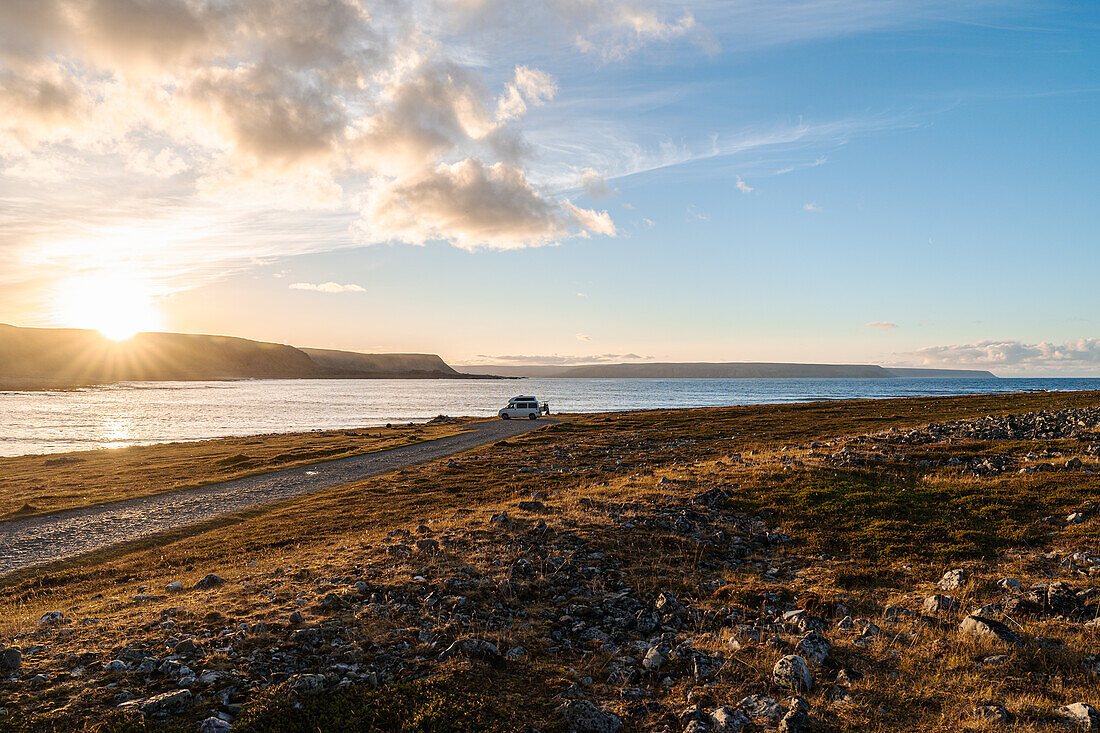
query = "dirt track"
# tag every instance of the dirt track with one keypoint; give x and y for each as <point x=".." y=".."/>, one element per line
<point x="39" y="540"/>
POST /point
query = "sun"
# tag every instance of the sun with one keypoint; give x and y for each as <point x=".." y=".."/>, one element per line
<point x="118" y="305"/>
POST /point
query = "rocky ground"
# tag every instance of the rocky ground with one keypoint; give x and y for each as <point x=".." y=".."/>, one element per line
<point x="650" y="601"/>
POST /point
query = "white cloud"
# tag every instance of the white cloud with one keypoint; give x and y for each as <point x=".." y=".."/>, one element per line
<point x="329" y="287"/>
<point x="595" y="185"/>
<point x="583" y="337"/>
<point x="1081" y="355"/>
<point x="881" y="325"/>
<point x="744" y="187"/>
<point x="812" y="207"/>
<point x="472" y="205"/>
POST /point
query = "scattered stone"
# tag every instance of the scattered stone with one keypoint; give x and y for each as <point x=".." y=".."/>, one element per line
<point x="991" y="713"/>
<point x="168" y="703"/>
<point x="814" y="648"/>
<point x="791" y="673"/>
<point x="11" y="658"/>
<point x="1080" y="715"/>
<point x="939" y="603"/>
<point x="214" y="725"/>
<point x="797" y="719"/>
<point x="988" y="630"/>
<point x="310" y="684"/>
<point x="115" y="666"/>
<point x="472" y="647"/>
<point x="581" y="716"/>
<point x="209" y="581"/>
<point x="52" y="618"/>
<point x="174" y="587"/>
<point x="189" y="648"/>
<point x="729" y="720"/>
<point x="762" y="709"/>
<point x="952" y="579"/>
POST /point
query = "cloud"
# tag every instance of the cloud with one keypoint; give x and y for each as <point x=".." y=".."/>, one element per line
<point x="595" y="185"/>
<point x="743" y="187"/>
<point x="583" y="337"/>
<point x="560" y="360"/>
<point x="1081" y="355"/>
<point x="329" y="287"/>
<point x="881" y="325"/>
<point x="472" y="205"/>
<point x="812" y="207"/>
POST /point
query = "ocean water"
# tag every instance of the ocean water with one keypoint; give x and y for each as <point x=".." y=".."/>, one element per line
<point x="137" y="413"/>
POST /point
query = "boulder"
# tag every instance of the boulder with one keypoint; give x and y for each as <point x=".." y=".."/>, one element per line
<point x="214" y="725"/>
<point x="952" y="579"/>
<point x="791" y="673"/>
<point x="1080" y="715"/>
<point x="797" y="719"/>
<point x="11" y="658"/>
<point x="52" y="618"/>
<point x="582" y="716"/>
<point x="936" y="603"/>
<point x="210" y="581"/>
<point x="728" y="720"/>
<point x="168" y="703"/>
<point x="762" y="709"/>
<point x="988" y="630"/>
<point x="814" y="648"/>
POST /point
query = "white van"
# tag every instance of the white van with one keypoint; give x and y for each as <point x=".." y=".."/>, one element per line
<point x="523" y="406"/>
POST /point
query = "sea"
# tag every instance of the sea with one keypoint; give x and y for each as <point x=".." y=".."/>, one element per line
<point x="140" y="413"/>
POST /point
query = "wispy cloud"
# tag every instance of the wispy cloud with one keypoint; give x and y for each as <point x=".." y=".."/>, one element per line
<point x="881" y="325"/>
<point x="329" y="287"/>
<point x="812" y="207"/>
<point x="583" y="337"/>
<point x="743" y="187"/>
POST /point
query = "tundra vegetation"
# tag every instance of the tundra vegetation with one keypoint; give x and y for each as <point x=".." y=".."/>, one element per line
<point x="904" y="565"/>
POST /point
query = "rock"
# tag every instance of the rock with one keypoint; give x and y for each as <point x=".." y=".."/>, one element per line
<point x="1010" y="584"/>
<point x="472" y="647"/>
<point x="333" y="602"/>
<point x="762" y="709"/>
<point x="210" y="581"/>
<point x="814" y="648"/>
<point x="115" y="666"/>
<point x="1080" y="715"/>
<point x="936" y="603"/>
<point x="729" y="720"/>
<point x="11" y="658"/>
<point x="653" y="660"/>
<point x="696" y="726"/>
<point x="214" y="725"/>
<point x="952" y="579"/>
<point x="52" y="618"/>
<point x="791" y="673"/>
<point x="427" y="546"/>
<point x="582" y="716"/>
<point x="188" y="648"/>
<point x="515" y="654"/>
<point x="988" y="630"/>
<point x="991" y="713"/>
<point x="168" y="703"/>
<point x="174" y="587"/>
<point x="310" y="684"/>
<point x="797" y="719"/>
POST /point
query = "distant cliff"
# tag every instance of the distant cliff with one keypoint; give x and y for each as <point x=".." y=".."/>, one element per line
<point x="55" y="357"/>
<point x="738" y="370"/>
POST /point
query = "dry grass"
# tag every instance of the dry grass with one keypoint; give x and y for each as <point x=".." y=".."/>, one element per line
<point x="866" y="538"/>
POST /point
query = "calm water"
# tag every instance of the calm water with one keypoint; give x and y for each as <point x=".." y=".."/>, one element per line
<point x="157" y="412"/>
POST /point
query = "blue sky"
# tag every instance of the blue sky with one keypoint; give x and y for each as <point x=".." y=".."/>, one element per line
<point x="836" y="181"/>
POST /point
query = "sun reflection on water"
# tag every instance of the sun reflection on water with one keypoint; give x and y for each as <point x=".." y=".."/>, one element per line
<point x="117" y="431"/>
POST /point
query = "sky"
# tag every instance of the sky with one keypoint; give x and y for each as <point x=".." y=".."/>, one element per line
<point x="562" y="181"/>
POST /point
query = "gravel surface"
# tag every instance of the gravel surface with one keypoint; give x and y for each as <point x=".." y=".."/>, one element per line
<point x="39" y="540"/>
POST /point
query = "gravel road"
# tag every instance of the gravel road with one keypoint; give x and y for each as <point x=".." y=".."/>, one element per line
<point x="39" y="540"/>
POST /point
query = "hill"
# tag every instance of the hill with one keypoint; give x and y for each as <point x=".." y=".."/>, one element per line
<point x="736" y="370"/>
<point x="54" y="357"/>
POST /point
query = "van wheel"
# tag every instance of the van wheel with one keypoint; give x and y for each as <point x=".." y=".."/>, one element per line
<point x="532" y="416"/>
<point x="503" y="417"/>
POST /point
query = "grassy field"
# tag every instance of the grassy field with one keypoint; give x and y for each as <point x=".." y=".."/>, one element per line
<point x="864" y="538"/>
